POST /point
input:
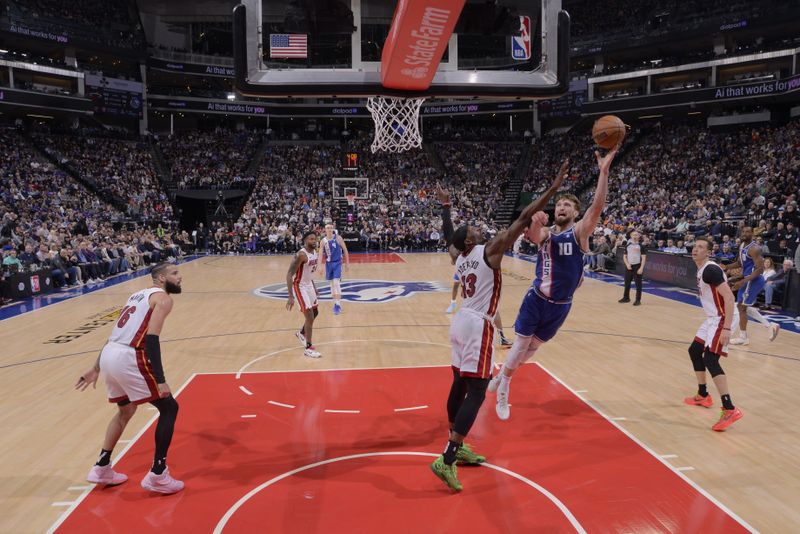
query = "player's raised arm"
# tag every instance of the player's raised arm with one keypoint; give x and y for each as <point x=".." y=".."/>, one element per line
<point x="505" y="238"/>
<point x="297" y="263"/>
<point x="585" y="227"/>
<point x="447" y="222"/>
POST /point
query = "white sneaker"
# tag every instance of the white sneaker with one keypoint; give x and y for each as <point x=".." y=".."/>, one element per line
<point x="739" y="341"/>
<point x="300" y="338"/>
<point x="774" y="328"/>
<point x="502" y="407"/>
<point x="494" y="383"/>
<point x="311" y="352"/>
<point x="163" y="483"/>
<point x="451" y="308"/>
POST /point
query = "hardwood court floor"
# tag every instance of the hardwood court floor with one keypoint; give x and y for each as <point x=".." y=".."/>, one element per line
<point x="628" y="362"/>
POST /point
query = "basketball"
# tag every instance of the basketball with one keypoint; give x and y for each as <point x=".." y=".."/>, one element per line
<point x="608" y="131"/>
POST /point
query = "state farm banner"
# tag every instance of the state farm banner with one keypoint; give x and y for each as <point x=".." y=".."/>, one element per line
<point x="417" y="39"/>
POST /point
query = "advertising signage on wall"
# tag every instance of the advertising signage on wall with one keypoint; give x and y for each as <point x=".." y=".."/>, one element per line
<point x="191" y="68"/>
<point x="712" y="94"/>
<point x="29" y="32"/>
<point x="275" y="109"/>
<point x="33" y="100"/>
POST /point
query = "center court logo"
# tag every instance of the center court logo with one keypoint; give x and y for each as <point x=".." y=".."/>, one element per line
<point x="360" y="290"/>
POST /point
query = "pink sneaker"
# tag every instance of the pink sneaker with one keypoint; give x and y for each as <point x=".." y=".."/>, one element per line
<point x="163" y="483"/>
<point x="105" y="475"/>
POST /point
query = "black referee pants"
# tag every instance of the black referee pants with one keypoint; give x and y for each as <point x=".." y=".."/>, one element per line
<point x="631" y="274"/>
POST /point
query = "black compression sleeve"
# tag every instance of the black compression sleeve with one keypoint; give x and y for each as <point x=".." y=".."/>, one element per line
<point x="152" y="348"/>
<point x="447" y="224"/>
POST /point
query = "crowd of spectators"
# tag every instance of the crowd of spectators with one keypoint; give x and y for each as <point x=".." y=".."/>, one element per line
<point x="683" y="182"/>
<point x="293" y="194"/>
<point x="119" y="168"/>
<point x="676" y="183"/>
<point x="215" y="159"/>
<point x="49" y="220"/>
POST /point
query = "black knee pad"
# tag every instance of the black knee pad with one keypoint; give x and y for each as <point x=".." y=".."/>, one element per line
<point x="696" y="354"/>
<point x="316" y="312"/>
<point x="712" y="364"/>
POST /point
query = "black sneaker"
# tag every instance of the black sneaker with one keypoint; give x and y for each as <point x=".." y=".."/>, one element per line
<point x="637" y="303"/>
<point x="624" y="300"/>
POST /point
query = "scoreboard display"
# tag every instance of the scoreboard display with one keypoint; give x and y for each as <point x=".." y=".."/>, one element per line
<point x="351" y="161"/>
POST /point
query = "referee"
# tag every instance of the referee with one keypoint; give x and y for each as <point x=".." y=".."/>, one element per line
<point x="635" y="258"/>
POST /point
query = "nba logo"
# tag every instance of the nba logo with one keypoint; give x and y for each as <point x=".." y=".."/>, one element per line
<point x="35" y="283"/>
<point x="521" y="44"/>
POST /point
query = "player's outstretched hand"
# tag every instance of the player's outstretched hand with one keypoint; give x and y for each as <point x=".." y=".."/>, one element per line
<point x="89" y="378"/>
<point x="604" y="162"/>
<point x="539" y="218"/>
<point x="442" y="195"/>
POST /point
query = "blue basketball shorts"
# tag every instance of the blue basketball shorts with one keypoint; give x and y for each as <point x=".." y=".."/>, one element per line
<point x="540" y="318"/>
<point x="333" y="270"/>
<point x="748" y="292"/>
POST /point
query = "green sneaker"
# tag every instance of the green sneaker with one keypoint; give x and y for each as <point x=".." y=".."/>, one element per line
<point x="466" y="456"/>
<point x="447" y="473"/>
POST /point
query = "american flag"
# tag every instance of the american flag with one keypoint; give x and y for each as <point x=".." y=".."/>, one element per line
<point x="283" y="45"/>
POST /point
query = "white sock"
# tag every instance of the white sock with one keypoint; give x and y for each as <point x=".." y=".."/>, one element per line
<point x="452" y="302"/>
<point x="338" y="302"/>
<point x="753" y="313"/>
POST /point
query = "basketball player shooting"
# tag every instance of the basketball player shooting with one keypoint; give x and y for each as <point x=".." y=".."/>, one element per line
<point x="711" y="341"/>
<point x="472" y="329"/>
<point x="749" y="285"/>
<point x="131" y="363"/>
<point x="333" y="246"/>
<point x="300" y="283"/>
<point x="559" y="272"/>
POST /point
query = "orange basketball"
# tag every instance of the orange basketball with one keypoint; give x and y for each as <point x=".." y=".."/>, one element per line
<point x="608" y="131"/>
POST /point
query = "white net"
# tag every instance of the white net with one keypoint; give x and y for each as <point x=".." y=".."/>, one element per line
<point x="396" y="123"/>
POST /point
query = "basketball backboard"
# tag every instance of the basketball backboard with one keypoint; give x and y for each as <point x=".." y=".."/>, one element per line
<point x="498" y="49"/>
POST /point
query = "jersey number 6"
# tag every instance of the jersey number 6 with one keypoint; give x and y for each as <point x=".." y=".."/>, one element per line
<point x="124" y="315"/>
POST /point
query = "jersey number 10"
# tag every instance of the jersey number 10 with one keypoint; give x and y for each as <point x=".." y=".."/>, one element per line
<point x="565" y="249"/>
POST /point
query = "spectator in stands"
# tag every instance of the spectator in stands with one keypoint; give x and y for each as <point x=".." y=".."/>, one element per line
<point x="726" y="255"/>
<point x="27" y="257"/>
<point x="11" y="261"/>
<point x="791" y="237"/>
<point x="64" y="273"/>
<point x="775" y="281"/>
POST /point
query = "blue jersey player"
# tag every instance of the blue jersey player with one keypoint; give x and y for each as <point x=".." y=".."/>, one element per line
<point x="333" y="248"/>
<point x="750" y="284"/>
<point x="559" y="272"/>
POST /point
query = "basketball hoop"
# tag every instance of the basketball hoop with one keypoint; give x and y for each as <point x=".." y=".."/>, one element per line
<point x="396" y="123"/>
<point x="351" y="199"/>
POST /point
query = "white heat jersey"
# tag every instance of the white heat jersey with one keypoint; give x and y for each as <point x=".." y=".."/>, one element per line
<point x="710" y="298"/>
<point x="305" y="273"/>
<point x="480" y="284"/>
<point x="131" y="327"/>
